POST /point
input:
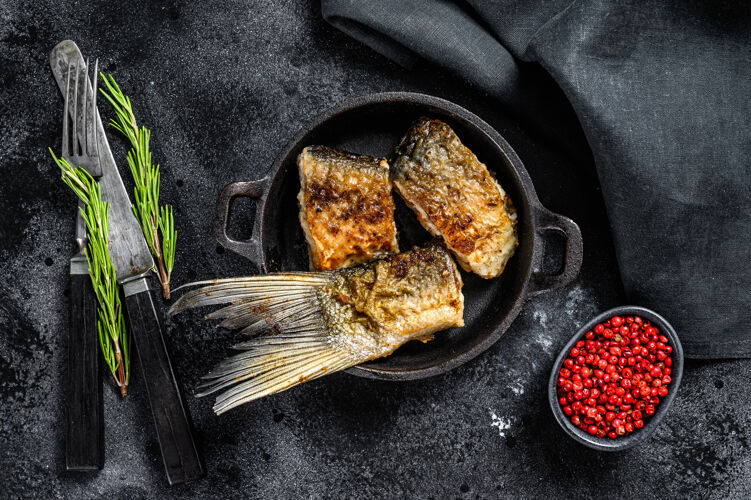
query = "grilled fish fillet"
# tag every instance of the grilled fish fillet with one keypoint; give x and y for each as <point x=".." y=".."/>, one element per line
<point x="455" y="197"/>
<point x="346" y="207"/>
<point x="323" y="322"/>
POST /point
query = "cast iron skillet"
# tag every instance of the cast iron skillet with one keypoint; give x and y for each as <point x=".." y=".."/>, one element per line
<point x="373" y="125"/>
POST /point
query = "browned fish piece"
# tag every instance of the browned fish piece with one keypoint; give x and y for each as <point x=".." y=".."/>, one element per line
<point x="346" y="207"/>
<point x="323" y="322"/>
<point x="455" y="197"/>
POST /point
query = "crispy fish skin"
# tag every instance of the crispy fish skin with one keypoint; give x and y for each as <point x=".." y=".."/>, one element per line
<point x="323" y="322"/>
<point x="455" y="197"/>
<point x="346" y="207"/>
<point x="380" y="306"/>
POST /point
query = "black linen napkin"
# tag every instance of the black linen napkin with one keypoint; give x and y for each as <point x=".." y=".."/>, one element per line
<point x="662" y="90"/>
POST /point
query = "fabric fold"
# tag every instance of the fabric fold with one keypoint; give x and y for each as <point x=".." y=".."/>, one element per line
<point x="450" y="35"/>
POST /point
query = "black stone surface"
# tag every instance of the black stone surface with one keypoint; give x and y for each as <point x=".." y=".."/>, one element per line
<point x="224" y="85"/>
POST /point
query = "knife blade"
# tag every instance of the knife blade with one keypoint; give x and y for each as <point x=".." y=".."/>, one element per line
<point x="133" y="263"/>
<point x="128" y="249"/>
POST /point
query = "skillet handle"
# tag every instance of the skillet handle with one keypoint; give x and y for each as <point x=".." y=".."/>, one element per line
<point x="251" y="248"/>
<point x="572" y="261"/>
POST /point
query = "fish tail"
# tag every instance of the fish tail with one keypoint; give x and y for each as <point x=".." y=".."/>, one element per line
<point x="300" y="346"/>
<point x="269" y="365"/>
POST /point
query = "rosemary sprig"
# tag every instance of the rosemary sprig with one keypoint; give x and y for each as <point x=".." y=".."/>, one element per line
<point x="114" y="337"/>
<point x="157" y="223"/>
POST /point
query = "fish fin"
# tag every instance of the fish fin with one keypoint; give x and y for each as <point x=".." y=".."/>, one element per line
<point x="277" y="302"/>
<point x="272" y="289"/>
<point x="300" y="348"/>
<point x="272" y="364"/>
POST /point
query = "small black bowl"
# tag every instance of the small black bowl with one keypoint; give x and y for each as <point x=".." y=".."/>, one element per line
<point x="620" y="443"/>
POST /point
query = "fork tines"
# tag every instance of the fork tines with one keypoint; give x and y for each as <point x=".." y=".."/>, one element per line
<point x="82" y="149"/>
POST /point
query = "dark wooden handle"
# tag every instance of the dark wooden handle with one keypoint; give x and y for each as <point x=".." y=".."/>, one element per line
<point x="84" y="435"/>
<point x="173" y="429"/>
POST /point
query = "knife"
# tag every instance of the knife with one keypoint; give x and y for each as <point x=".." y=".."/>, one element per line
<point x="133" y="263"/>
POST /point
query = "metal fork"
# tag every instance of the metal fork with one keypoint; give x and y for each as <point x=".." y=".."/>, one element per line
<point x="79" y="152"/>
<point x="84" y="440"/>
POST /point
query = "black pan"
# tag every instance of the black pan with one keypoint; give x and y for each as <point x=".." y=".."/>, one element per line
<point x="373" y="125"/>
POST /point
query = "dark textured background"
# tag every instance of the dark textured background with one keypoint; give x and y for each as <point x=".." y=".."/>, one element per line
<point x="224" y="85"/>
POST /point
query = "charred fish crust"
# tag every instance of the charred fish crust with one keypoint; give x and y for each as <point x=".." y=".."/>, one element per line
<point x="357" y="205"/>
<point x="455" y="197"/>
<point x="346" y="207"/>
<point x="345" y="158"/>
<point x="464" y="245"/>
<point x="401" y="267"/>
<point x="402" y="263"/>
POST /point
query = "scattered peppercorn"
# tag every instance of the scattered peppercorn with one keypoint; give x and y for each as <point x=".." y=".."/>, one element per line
<point x="612" y="381"/>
